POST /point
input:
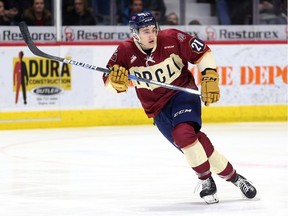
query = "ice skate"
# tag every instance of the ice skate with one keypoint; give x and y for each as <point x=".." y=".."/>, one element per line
<point x="209" y="190"/>
<point x="247" y="189"/>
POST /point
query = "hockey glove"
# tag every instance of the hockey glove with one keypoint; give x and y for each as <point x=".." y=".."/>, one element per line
<point x="210" y="86"/>
<point x="118" y="78"/>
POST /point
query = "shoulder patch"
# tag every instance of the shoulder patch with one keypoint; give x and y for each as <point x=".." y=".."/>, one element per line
<point x="197" y="45"/>
<point x="181" y="37"/>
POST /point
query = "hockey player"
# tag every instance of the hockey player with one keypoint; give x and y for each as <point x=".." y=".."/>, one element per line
<point x="164" y="56"/>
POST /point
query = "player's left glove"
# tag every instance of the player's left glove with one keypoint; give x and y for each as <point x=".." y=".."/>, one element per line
<point x="210" y="86"/>
<point x="118" y="78"/>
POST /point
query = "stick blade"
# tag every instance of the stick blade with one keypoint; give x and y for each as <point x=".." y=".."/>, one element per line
<point x="31" y="45"/>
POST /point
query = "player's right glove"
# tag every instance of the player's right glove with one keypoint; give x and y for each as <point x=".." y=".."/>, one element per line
<point x="118" y="77"/>
<point x="210" y="86"/>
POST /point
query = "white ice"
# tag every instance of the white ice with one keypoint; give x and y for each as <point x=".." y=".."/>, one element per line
<point x="131" y="171"/>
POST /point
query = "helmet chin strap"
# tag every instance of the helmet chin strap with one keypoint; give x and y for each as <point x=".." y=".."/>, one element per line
<point x="137" y="39"/>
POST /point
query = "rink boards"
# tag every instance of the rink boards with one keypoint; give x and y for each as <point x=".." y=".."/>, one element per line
<point x="253" y="82"/>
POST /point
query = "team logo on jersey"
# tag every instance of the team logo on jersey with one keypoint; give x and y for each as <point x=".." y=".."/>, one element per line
<point x="114" y="56"/>
<point x="148" y="59"/>
<point x="133" y="58"/>
<point x="197" y="45"/>
<point x="165" y="72"/>
<point x="181" y="37"/>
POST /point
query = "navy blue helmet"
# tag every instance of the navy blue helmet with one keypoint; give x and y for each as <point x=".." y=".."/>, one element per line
<point x="141" y="20"/>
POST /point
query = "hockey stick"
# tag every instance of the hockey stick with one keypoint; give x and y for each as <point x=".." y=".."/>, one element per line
<point x="36" y="51"/>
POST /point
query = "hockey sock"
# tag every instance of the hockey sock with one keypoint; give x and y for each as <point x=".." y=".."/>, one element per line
<point x="185" y="137"/>
<point x="221" y="166"/>
<point x="197" y="159"/>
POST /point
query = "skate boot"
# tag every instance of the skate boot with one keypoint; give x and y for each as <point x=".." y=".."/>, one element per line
<point x="209" y="190"/>
<point x="247" y="189"/>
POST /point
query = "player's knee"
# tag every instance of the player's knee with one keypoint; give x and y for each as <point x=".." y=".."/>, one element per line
<point x="184" y="135"/>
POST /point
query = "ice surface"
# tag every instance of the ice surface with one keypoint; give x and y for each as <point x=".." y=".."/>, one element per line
<point x="133" y="170"/>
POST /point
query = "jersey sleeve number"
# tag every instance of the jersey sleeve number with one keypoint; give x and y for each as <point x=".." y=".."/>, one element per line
<point x="197" y="45"/>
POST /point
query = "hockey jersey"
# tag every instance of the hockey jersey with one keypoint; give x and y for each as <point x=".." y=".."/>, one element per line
<point x="167" y="63"/>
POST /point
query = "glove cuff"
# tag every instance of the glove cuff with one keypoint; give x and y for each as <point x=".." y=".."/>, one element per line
<point x="208" y="70"/>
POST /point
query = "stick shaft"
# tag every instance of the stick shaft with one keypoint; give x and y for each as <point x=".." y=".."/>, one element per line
<point x="36" y="51"/>
<point x="165" y="85"/>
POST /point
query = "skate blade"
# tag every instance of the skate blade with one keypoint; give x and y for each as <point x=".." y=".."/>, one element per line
<point x="210" y="199"/>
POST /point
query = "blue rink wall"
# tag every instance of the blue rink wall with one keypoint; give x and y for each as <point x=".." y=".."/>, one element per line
<point x="253" y="87"/>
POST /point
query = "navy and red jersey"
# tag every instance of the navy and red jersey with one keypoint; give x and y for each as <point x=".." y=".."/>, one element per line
<point x="167" y="63"/>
